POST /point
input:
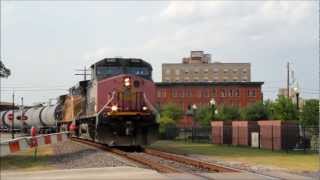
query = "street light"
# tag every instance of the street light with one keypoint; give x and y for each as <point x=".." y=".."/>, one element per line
<point x="213" y="108"/>
<point x="212" y="102"/>
<point x="194" y="110"/>
<point x="296" y="90"/>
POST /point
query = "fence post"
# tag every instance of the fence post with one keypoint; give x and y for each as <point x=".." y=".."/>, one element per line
<point x="304" y="139"/>
<point x="286" y="136"/>
<point x="259" y="137"/>
<point x="272" y="137"/>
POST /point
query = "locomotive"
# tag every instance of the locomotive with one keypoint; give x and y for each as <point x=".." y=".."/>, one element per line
<point x="115" y="107"/>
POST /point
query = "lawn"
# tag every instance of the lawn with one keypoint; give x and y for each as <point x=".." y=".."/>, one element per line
<point x="293" y="161"/>
<point x="25" y="160"/>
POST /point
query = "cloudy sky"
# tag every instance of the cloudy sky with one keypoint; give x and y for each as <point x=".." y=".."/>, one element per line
<point x="44" y="42"/>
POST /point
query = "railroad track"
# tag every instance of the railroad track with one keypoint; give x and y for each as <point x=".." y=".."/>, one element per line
<point x="164" y="162"/>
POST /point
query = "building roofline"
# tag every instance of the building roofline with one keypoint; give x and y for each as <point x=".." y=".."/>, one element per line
<point x="205" y="64"/>
<point x="208" y="83"/>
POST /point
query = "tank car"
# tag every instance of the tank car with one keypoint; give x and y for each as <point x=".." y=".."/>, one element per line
<point x="43" y="118"/>
<point x="117" y="106"/>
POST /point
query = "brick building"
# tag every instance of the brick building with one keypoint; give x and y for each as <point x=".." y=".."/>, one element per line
<point x="198" y="68"/>
<point x="184" y="94"/>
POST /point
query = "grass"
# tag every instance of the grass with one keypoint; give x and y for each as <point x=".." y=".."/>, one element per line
<point x="25" y="160"/>
<point x="293" y="161"/>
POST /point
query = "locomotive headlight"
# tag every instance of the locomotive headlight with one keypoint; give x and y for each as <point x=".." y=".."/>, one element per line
<point x="114" y="108"/>
<point x="127" y="82"/>
<point x="144" y="108"/>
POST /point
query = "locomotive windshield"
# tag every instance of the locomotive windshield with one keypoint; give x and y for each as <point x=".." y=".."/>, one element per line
<point x="138" y="71"/>
<point x="109" y="71"/>
<point x="114" y="66"/>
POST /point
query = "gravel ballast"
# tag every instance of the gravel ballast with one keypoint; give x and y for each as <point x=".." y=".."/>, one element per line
<point x="74" y="155"/>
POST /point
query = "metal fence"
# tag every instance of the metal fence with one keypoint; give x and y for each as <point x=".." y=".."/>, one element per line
<point x="287" y="138"/>
<point x="197" y="134"/>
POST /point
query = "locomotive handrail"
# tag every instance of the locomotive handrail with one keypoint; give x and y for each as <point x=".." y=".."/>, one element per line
<point x="152" y="108"/>
<point x="112" y="97"/>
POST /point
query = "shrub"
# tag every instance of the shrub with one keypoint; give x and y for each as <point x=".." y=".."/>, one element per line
<point x="310" y="113"/>
<point x="228" y="113"/>
<point x="284" y="109"/>
<point x="255" y="112"/>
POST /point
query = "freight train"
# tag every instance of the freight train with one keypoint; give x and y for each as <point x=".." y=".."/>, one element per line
<point x="115" y="107"/>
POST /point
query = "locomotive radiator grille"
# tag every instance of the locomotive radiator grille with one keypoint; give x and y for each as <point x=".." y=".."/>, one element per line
<point x="129" y="101"/>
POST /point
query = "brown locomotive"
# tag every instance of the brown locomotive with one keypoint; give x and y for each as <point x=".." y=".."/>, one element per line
<point x="116" y="107"/>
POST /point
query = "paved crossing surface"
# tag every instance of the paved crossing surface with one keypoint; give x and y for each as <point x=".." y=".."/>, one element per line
<point x="125" y="172"/>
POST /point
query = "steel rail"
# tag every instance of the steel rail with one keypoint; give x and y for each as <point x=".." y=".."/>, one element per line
<point x="153" y="165"/>
<point x="185" y="160"/>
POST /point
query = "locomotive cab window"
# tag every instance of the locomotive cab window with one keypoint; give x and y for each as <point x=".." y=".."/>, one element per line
<point x="109" y="71"/>
<point x="116" y="66"/>
<point x="138" y="71"/>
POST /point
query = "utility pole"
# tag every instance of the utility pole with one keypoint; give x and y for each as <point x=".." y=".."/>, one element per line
<point x="288" y="80"/>
<point x="84" y="73"/>
<point x="12" y="122"/>
<point x="23" y="127"/>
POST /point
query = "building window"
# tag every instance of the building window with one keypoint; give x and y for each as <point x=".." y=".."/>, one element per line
<point x="213" y="92"/>
<point x="230" y="92"/>
<point x="237" y="93"/>
<point x="205" y="93"/>
<point x="174" y="93"/>
<point x="163" y="93"/>
<point x="177" y="71"/>
<point x="168" y="71"/>
<point x="244" y="70"/>
<point x="159" y="93"/>
<point x="188" y="93"/>
<point x="225" y="70"/>
<point x="245" y="78"/>
<point x="206" y="70"/>
<point x="252" y="93"/>
<point x="223" y="93"/>
<point x="181" y="93"/>
<point x="215" y="70"/>
<point x="235" y="70"/>
<point x="196" y="70"/>
<point x="186" y="71"/>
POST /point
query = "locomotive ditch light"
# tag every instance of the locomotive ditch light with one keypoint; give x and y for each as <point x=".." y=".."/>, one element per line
<point x="144" y="108"/>
<point x="127" y="82"/>
<point x="114" y="108"/>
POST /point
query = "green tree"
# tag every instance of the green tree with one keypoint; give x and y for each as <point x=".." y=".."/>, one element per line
<point x="310" y="113"/>
<point x="284" y="109"/>
<point x="169" y="115"/>
<point x="204" y="115"/>
<point x="228" y="113"/>
<point x="255" y="112"/>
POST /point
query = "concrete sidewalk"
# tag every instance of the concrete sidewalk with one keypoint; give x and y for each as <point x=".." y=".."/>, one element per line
<point x="122" y="173"/>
